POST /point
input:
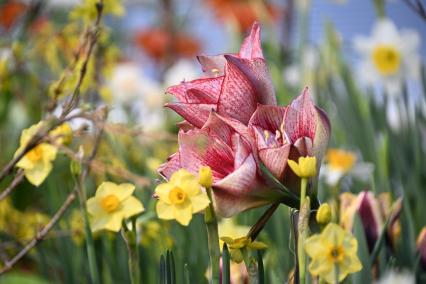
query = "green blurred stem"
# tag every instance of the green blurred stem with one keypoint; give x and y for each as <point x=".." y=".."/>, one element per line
<point x="379" y="6"/>
<point x="251" y="267"/>
<point x="302" y="232"/>
<point x="130" y="238"/>
<point x="213" y="239"/>
<point x="90" y="245"/>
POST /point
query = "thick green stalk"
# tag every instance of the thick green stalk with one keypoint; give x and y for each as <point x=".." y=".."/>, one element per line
<point x="251" y="267"/>
<point x="302" y="229"/>
<point x="213" y="239"/>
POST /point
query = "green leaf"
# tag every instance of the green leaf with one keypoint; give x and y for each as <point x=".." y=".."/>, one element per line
<point x="363" y="276"/>
<point x="226" y="265"/>
<point x="260" y="268"/>
<point x="163" y="277"/>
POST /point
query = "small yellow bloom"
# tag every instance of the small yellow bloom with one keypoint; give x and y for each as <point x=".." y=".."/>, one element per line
<point x="324" y="214"/>
<point x="237" y="245"/>
<point x="229" y="228"/>
<point x="37" y="163"/>
<point x="305" y="168"/>
<point x="111" y="205"/>
<point x="181" y="197"/>
<point x="205" y="177"/>
<point x="333" y="249"/>
<point x="62" y="134"/>
<point x="386" y="59"/>
<point x="340" y="160"/>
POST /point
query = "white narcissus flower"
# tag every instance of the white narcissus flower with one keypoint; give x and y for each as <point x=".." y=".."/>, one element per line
<point x="389" y="56"/>
<point x="393" y="277"/>
<point x="130" y="88"/>
<point x="182" y="70"/>
<point x="340" y="163"/>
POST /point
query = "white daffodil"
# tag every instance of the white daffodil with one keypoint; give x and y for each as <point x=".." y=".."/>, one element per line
<point x="132" y="90"/>
<point x="340" y="163"/>
<point x="389" y="57"/>
<point x="393" y="277"/>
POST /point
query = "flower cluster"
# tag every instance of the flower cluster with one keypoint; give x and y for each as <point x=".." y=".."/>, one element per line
<point x="234" y="125"/>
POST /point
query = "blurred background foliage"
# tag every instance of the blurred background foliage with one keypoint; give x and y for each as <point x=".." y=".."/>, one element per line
<point x="145" y="46"/>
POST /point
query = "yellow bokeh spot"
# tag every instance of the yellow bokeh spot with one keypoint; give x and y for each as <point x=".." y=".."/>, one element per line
<point x="36" y="154"/>
<point x="177" y="195"/>
<point x="110" y="203"/>
<point x="386" y="59"/>
<point x="341" y="160"/>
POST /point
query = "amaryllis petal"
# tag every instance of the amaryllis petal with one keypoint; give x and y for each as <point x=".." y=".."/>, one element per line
<point x="171" y="166"/>
<point x="268" y="117"/>
<point x="275" y="159"/>
<point x="196" y="114"/>
<point x="322" y="134"/>
<point x="238" y="98"/>
<point x="251" y="47"/>
<point x="208" y="90"/>
<point x="240" y="190"/>
<point x="198" y="149"/>
<point x="212" y="65"/>
<point x="300" y="117"/>
<point x="256" y="70"/>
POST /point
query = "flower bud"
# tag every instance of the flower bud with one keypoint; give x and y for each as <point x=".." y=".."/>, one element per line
<point x="324" y="214"/>
<point x="205" y="177"/>
<point x="306" y="167"/>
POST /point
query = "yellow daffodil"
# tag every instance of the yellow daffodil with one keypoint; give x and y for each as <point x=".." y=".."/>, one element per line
<point x="62" y="134"/>
<point x="229" y="228"/>
<point x="37" y="163"/>
<point x="324" y="214"/>
<point x="111" y="205"/>
<point x="333" y="254"/>
<point x="181" y="197"/>
<point x="306" y="167"/>
<point x="237" y="245"/>
<point x="205" y="177"/>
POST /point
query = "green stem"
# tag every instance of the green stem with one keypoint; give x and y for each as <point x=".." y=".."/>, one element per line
<point x="130" y="238"/>
<point x="251" y="267"/>
<point x="213" y="239"/>
<point x="90" y="244"/>
<point x="302" y="231"/>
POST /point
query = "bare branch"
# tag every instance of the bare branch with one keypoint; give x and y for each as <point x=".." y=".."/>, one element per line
<point x="40" y="234"/>
<point x="17" y="180"/>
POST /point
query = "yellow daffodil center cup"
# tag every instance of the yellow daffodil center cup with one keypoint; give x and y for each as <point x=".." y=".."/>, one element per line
<point x="177" y="195"/>
<point x="341" y="160"/>
<point x="386" y="59"/>
<point x="110" y="203"/>
<point x="336" y="254"/>
<point x="35" y="154"/>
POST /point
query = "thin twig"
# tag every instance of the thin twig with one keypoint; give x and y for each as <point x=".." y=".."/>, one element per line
<point x="40" y="234"/>
<point x="417" y="7"/>
<point x="38" y="138"/>
<point x="17" y="180"/>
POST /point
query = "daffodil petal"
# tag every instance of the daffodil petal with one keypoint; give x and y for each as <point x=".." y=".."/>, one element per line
<point x="106" y="188"/>
<point x="199" y="202"/>
<point x="131" y="206"/>
<point x="183" y="213"/>
<point x="38" y="173"/>
<point x="294" y="167"/>
<point x="164" y="210"/>
<point x="163" y="190"/>
<point x="124" y="190"/>
<point x="93" y="207"/>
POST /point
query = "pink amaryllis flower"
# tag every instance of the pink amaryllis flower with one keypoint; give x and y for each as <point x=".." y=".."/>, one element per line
<point x="224" y="144"/>
<point x="289" y="132"/>
<point x="234" y="86"/>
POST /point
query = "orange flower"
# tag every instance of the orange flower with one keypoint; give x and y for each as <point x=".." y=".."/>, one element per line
<point x="158" y="43"/>
<point x="243" y="12"/>
<point x="10" y="12"/>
